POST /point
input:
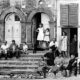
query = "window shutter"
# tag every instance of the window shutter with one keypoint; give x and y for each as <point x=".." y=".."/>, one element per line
<point x="69" y="15"/>
<point x="63" y="15"/>
<point x="73" y="14"/>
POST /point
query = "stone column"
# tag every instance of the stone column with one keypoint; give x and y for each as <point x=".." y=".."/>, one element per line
<point x="52" y="30"/>
<point x="29" y="34"/>
<point x="2" y="31"/>
<point x="78" y="44"/>
<point x="23" y="32"/>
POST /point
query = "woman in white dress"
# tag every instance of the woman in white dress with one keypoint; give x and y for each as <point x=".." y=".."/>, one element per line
<point x="40" y="31"/>
<point x="47" y="36"/>
<point x="64" y="44"/>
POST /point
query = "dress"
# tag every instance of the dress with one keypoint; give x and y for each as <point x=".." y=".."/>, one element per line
<point x="46" y="37"/>
<point x="40" y="36"/>
<point x="25" y="47"/>
<point x="64" y="43"/>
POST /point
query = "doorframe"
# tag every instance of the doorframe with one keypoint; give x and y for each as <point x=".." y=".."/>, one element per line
<point x="78" y="46"/>
<point x="6" y="18"/>
<point x="21" y="15"/>
<point x="42" y="10"/>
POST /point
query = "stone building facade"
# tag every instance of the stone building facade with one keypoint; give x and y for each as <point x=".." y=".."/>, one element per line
<point x="68" y="20"/>
<point x="20" y="18"/>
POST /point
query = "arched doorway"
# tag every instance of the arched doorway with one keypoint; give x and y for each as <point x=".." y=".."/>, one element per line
<point x="32" y="24"/>
<point x="12" y="28"/>
<point x="38" y="18"/>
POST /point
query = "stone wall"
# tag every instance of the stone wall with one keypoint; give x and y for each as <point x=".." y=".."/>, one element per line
<point x="25" y="7"/>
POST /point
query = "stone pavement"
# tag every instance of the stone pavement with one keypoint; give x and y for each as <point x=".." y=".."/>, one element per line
<point x="61" y="78"/>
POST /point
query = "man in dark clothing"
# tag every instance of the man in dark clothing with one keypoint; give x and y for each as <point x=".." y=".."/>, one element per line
<point x="54" y="46"/>
<point x="72" y="65"/>
<point x="73" y="48"/>
<point x="50" y="57"/>
<point x="13" y="50"/>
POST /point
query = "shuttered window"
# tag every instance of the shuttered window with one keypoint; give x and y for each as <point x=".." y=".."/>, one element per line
<point x="73" y="14"/>
<point x="64" y="15"/>
<point x="69" y="15"/>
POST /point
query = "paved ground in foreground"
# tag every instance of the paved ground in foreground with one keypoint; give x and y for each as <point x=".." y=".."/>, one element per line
<point x="61" y="78"/>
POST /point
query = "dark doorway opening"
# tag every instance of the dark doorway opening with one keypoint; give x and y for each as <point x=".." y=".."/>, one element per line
<point x="35" y="25"/>
<point x="73" y="31"/>
<point x="70" y="37"/>
<point x="73" y="42"/>
<point x="38" y="21"/>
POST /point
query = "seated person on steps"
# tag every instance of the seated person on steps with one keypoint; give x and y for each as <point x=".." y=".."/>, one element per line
<point x="54" y="46"/>
<point x="43" y="68"/>
<point x="25" y="47"/>
<point x="50" y="57"/>
<point x="58" y="65"/>
<point x="4" y="49"/>
<point x="13" y="50"/>
<point x="72" y="66"/>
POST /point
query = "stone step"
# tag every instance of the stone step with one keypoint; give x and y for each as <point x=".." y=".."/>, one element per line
<point x="26" y="63"/>
<point x="32" y="55"/>
<point x="18" y="61"/>
<point x="17" y="71"/>
<point x="17" y="65"/>
<point x="13" y="68"/>
<point x="30" y="58"/>
<point x="41" y="51"/>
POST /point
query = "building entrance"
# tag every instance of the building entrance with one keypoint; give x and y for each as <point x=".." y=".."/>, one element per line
<point x="36" y="20"/>
<point x="72" y="42"/>
<point x="12" y="28"/>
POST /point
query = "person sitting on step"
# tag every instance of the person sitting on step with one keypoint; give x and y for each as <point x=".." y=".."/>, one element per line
<point x="58" y="65"/>
<point x="43" y="68"/>
<point x="54" y="46"/>
<point x="72" y="65"/>
<point x="13" y="50"/>
<point x="4" y="49"/>
<point x="50" y="57"/>
<point x="25" y="47"/>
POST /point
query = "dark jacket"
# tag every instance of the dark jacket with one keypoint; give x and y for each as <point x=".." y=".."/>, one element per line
<point x="15" y="46"/>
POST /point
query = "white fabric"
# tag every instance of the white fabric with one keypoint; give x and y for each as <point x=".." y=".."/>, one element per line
<point x="51" y="44"/>
<point x="46" y="37"/>
<point x="56" y="44"/>
<point x="64" y="43"/>
<point x="25" y="47"/>
<point x="13" y="47"/>
<point x="40" y="36"/>
<point x="4" y="47"/>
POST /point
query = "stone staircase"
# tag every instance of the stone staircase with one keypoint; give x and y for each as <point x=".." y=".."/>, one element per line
<point x="25" y="64"/>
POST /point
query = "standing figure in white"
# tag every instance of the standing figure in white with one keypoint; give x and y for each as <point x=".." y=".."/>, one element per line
<point x="40" y="31"/>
